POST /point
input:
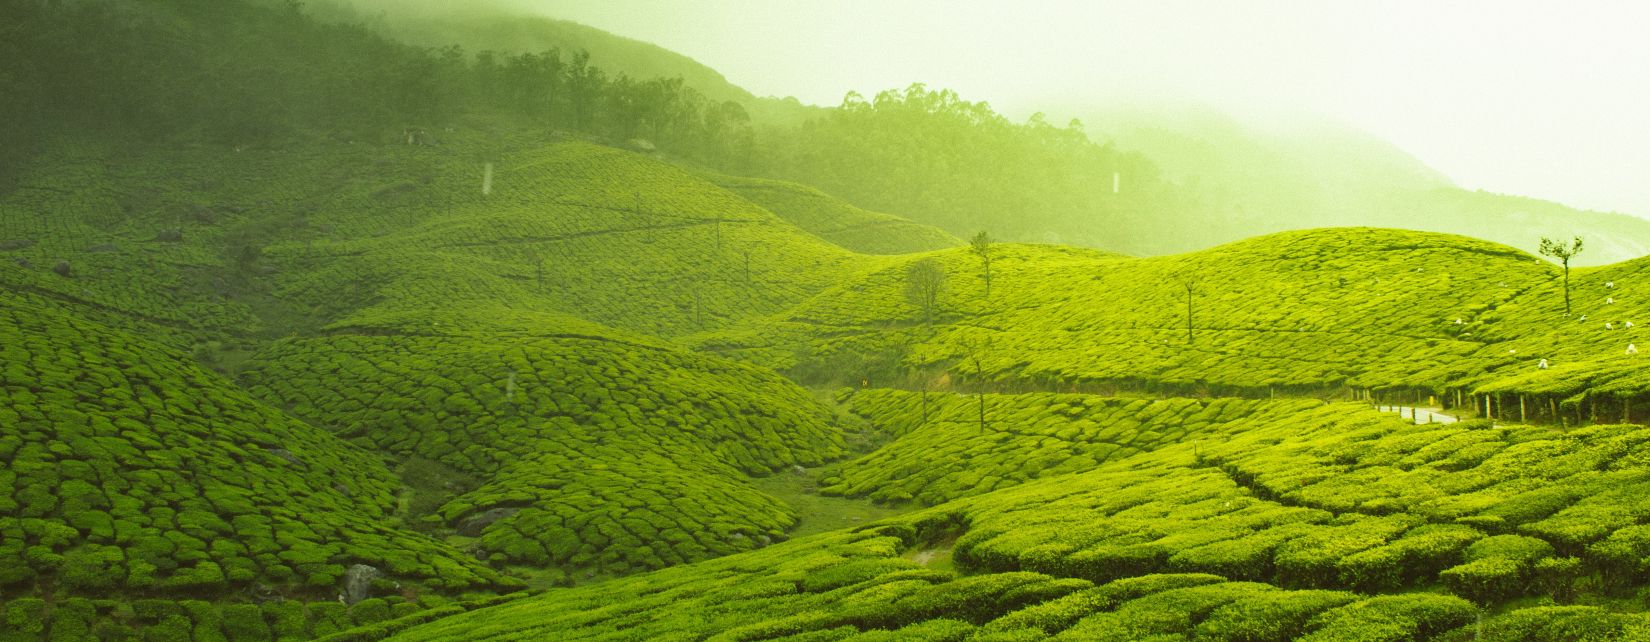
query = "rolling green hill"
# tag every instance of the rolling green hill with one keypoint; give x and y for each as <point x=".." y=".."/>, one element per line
<point x="1283" y="529"/>
<point x="581" y="454"/>
<point x="1353" y="308"/>
<point x="836" y="221"/>
<point x="132" y="471"/>
<point x="307" y="333"/>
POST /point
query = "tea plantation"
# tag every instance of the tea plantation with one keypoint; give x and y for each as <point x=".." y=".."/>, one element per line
<point x="131" y="471"/>
<point x="343" y="390"/>
<point x="1334" y="523"/>
<point x="949" y="454"/>
<point x="593" y="454"/>
<point x="837" y="221"/>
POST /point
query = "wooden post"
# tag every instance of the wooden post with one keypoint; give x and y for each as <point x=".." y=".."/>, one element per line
<point x="1522" y="418"/>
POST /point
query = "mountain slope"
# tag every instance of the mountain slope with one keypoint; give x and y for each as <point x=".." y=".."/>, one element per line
<point x="1315" y="309"/>
<point x="131" y="471"/>
<point x="836" y="221"/>
<point x="1281" y="530"/>
<point x="586" y="454"/>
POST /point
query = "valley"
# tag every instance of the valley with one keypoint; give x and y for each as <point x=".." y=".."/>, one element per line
<point x="512" y="374"/>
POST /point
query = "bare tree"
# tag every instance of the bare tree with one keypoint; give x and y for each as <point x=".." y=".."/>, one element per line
<point x="1191" y="291"/>
<point x="925" y="282"/>
<point x="1558" y="250"/>
<point x="972" y="355"/>
<point x="981" y="245"/>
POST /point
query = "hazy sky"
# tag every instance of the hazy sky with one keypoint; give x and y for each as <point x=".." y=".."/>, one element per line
<point x="1546" y="99"/>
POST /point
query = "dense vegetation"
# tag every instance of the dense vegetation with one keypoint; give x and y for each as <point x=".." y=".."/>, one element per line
<point x="586" y="454"/>
<point x="131" y="471"/>
<point x="1277" y="527"/>
<point x="274" y="367"/>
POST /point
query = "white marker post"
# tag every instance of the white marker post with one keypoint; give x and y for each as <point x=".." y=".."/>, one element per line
<point x="487" y="181"/>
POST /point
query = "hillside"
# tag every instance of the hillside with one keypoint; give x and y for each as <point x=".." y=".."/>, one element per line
<point x="494" y="27"/>
<point x="453" y="353"/>
<point x="839" y="222"/>
<point x="133" y="471"/>
<point x="1215" y="540"/>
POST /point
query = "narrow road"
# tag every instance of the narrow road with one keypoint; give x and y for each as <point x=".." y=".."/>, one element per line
<point x="1420" y="415"/>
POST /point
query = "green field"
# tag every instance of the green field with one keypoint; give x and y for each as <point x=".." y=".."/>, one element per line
<point x="515" y="346"/>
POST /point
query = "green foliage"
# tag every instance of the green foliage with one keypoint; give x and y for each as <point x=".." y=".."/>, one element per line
<point x="836" y="221"/>
<point x="593" y="454"/>
<point x="136" y="470"/>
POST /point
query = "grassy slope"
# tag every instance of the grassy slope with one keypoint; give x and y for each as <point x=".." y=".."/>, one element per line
<point x="836" y="221"/>
<point x="384" y="263"/>
<point x="1288" y="523"/>
<point x="1320" y="308"/>
<point x="406" y="300"/>
<point x="1313" y="310"/>
<point x="130" y="470"/>
<point x="593" y="454"/>
<point x="1026" y="436"/>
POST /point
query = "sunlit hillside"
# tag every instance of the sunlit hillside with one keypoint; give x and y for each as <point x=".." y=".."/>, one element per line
<point x="315" y="328"/>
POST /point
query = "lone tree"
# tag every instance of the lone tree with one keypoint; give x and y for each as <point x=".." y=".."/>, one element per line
<point x="924" y="283"/>
<point x="1191" y="291"/>
<point x="971" y="354"/>
<point x="1558" y="250"/>
<point x="981" y="245"/>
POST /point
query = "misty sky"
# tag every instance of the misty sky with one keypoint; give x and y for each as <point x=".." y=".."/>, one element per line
<point x="1546" y="99"/>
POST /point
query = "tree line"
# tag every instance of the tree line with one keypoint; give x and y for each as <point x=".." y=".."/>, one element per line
<point x="245" y="73"/>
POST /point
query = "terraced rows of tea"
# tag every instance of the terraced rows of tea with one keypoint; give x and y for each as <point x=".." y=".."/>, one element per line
<point x="592" y="232"/>
<point x="1288" y="527"/>
<point x="1321" y="310"/>
<point x="943" y="451"/>
<point x="591" y="454"/>
<point x="837" y="221"/>
<point x="132" y="471"/>
<point x="343" y="369"/>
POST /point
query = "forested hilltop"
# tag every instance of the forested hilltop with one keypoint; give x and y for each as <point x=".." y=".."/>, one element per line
<point x="245" y="73"/>
<point x="309" y="332"/>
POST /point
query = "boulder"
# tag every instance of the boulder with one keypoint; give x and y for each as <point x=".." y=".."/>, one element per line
<point x="63" y="269"/>
<point x="358" y="582"/>
<point x="169" y="236"/>
<point x="15" y="244"/>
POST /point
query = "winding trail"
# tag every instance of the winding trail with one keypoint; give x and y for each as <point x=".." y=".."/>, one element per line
<point x="1421" y="415"/>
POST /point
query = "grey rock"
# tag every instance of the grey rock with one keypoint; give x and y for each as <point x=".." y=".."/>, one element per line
<point x="103" y="248"/>
<point x="169" y="236"/>
<point x="358" y="582"/>
<point x="15" y="244"/>
<point x="63" y="269"/>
